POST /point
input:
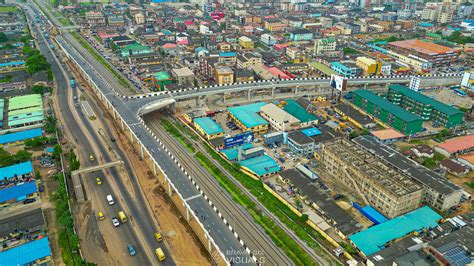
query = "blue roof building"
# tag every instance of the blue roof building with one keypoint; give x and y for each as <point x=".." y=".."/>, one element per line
<point x="247" y="117"/>
<point x="233" y="153"/>
<point x="261" y="166"/>
<point x="311" y="131"/>
<point x="29" y="253"/>
<point x="208" y="127"/>
<point x="227" y="54"/>
<point x="346" y="69"/>
<point x="19" y="192"/>
<point x="20" y="136"/>
<point x="16" y="169"/>
<point x="376" y="237"/>
<point x="12" y="64"/>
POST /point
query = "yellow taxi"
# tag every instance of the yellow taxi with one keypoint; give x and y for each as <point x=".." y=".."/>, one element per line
<point x="101" y="216"/>
<point x="158" y="237"/>
<point x="91" y="158"/>
<point x="98" y="181"/>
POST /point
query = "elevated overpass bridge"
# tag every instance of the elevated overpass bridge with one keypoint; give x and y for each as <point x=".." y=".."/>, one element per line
<point x="146" y="103"/>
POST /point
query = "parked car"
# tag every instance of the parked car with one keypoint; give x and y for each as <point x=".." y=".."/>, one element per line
<point x="131" y="250"/>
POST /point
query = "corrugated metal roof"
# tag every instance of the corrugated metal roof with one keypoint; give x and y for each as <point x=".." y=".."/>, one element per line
<point x="16" y="169"/>
<point x="373" y="239"/>
<point x="20" y="102"/>
<point x="443" y="108"/>
<point x="26" y="253"/>
<point x="296" y="110"/>
<point x="388" y="106"/>
<point x="247" y="114"/>
<point x="261" y="165"/>
<point x="22" y="135"/>
<point x="208" y="125"/>
<point x="15" y="192"/>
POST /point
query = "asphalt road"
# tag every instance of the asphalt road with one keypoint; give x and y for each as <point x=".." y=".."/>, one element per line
<point x="135" y="203"/>
<point x="216" y="228"/>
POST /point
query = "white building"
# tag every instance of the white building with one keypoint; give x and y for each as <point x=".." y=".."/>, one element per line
<point x="279" y="119"/>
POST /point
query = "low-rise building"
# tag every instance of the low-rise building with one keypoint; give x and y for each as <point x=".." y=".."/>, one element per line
<point x="243" y="75"/>
<point x="208" y="128"/>
<point x="324" y="45"/>
<point x="456" y="146"/>
<point x="301" y="144"/>
<point x="95" y="19"/>
<point x="439" y="193"/>
<point x="25" y="110"/>
<point x="301" y="35"/>
<point x="223" y="75"/>
<point x="183" y="75"/>
<point x="369" y="66"/>
<point x="346" y="68"/>
<point x="379" y="184"/>
<point x="278" y="118"/>
<point x="249" y="60"/>
<point x="268" y="39"/>
<point x="424" y="106"/>
<point x="247" y="118"/>
<point x="246" y="43"/>
<point x="454" y="167"/>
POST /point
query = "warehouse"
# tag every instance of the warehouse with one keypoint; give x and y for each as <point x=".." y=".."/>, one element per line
<point x="25" y="110"/>
<point x="208" y="128"/>
<point x="354" y="116"/>
<point x="456" y="146"/>
<point x="279" y="119"/>
<point x="440" y="193"/>
<point x="247" y="118"/>
<point x="36" y="252"/>
<point x="17" y="137"/>
<point x="260" y="166"/>
<point x="389" y="190"/>
<point x="296" y="110"/>
<point x="387" y="112"/>
<point x="376" y="237"/>
<point x="427" y="108"/>
<point x="435" y="54"/>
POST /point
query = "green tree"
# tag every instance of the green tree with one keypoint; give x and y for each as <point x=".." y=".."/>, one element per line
<point x="37" y="174"/>
<point x="429" y="163"/>
<point x="41" y="89"/>
<point x="50" y="124"/>
<point x="36" y="142"/>
<point x="6" y="158"/>
<point x="22" y="156"/>
<point x="349" y="50"/>
<point x="304" y="218"/>
<point x="3" y="37"/>
<point x="57" y="151"/>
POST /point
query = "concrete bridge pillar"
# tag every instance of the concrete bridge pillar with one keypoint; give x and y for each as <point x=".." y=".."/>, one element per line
<point x="123" y="124"/>
<point x="273" y="92"/>
<point x="187" y="214"/>
<point x="209" y="243"/>
<point x="296" y="89"/>
<point x="249" y="94"/>
<point x="154" y="169"/>
<point x="131" y="137"/>
<point x="365" y="86"/>
<point x="141" y="152"/>
<point x="170" y="191"/>
<point x="172" y="108"/>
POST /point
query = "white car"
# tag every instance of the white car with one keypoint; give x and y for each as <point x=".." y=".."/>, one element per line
<point x="115" y="221"/>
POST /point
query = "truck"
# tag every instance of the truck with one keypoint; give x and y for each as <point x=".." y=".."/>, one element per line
<point x="73" y="83"/>
<point x="123" y="217"/>
<point x="160" y="254"/>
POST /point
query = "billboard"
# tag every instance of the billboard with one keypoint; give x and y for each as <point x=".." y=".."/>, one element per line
<point x="239" y="139"/>
<point x="467" y="80"/>
<point x="338" y="82"/>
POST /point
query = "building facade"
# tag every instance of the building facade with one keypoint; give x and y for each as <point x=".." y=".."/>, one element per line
<point x="385" y="188"/>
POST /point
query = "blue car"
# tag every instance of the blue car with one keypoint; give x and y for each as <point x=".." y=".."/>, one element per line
<point x="131" y="250"/>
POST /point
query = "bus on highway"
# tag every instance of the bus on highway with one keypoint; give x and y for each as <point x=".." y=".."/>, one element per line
<point x="160" y="254"/>
<point x="460" y="92"/>
<point x="122" y="217"/>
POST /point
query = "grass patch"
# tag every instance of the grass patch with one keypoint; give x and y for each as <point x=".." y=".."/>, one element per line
<point x="281" y="239"/>
<point x="99" y="58"/>
<point x="170" y="128"/>
<point x="6" y="9"/>
<point x="469" y="184"/>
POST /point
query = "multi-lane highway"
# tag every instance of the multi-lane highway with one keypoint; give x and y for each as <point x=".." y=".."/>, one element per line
<point x="216" y="228"/>
<point x="91" y="143"/>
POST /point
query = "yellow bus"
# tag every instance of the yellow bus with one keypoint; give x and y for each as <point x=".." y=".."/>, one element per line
<point x="160" y="254"/>
<point x="122" y="217"/>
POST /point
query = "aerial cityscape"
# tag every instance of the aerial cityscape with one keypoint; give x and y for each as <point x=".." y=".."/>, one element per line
<point x="247" y="132"/>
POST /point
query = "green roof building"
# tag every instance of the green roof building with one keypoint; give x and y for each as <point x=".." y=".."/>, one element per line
<point x="25" y="110"/>
<point x="134" y="49"/>
<point x="424" y="106"/>
<point x="387" y="112"/>
<point x="162" y="78"/>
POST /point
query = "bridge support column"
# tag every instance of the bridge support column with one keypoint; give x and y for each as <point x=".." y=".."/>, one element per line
<point x="365" y="86"/>
<point x="273" y="92"/>
<point x="249" y="94"/>
<point x="296" y="89"/>
<point x="154" y="169"/>
<point x="187" y="214"/>
<point x="173" y="108"/>
<point x="131" y="137"/>
<point x="141" y="152"/>
<point x="169" y="188"/>
<point x="209" y="243"/>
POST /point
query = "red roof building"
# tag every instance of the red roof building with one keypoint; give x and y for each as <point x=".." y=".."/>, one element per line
<point x="456" y="146"/>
